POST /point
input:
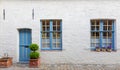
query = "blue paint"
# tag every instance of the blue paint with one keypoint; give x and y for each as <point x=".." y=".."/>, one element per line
<point x="24" y="42"/>
<point x="51" y="37"/>
<point x="113" y="35"/>
<point x="51" y="33"/>
<point x="101" y="33"/>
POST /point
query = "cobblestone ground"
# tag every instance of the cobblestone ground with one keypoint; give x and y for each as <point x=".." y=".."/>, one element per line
<point x="65" y="67"/>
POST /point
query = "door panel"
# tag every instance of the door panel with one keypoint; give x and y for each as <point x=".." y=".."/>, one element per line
<point x="24" y="42"/>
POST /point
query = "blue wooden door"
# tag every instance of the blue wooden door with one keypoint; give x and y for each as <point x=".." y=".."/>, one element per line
<point x="24" y="42"/>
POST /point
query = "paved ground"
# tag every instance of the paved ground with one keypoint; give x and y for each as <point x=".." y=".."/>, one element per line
<point x="66" y="67"/>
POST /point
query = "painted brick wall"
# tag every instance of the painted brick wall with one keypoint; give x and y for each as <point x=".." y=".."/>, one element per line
<point x="75" y="17"/>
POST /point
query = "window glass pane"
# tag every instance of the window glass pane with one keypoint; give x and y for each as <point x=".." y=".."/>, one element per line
<point x="110" y="34"/>
<point x="92" y="23"/>
<point x="110" y="22"/>
<point x="104" y="27"/>
<point x="97" y="34"/>
<point x="107" y="40"/>
<point x="104" y="34"/>
<point x="56" y="25"/>
<point x="105" y="22"/>
<point x="97" y="27"/>
<point x="56" y="40"/>
<point x="92" y="34"/>
<point x="97" y="22"/>
<point x="45" y="25"/>
<point x="109" y="27"/>
<point x="92" y="27"/>
<point x="45" y="40"/>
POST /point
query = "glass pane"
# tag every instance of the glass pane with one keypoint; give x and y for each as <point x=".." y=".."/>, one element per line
<point x="104" y="27"/>
<point x="97" y="28"/>
<point x="92" y="34"/>
<point x="45" y="25"/>
<point x="92" y="23"/>
<point x="45" y="40"/>
<point x="107" y="39"/>
<point x="56" y="45"/>
<point x="109" y="27"/>
<point x="95" y="25"/>
<point x="56" y="40"/>
<point x="92" y="27"/>
<point x="56" y="25"/>
<point x="95" y="41"/>
<point x="97" y="34"/>
<point x="105" y="22"/>
<point x="45" y="35"/>
<point x="109" y="34"/>
<point x="110" y="22"/>
<point x="97" y="22"/>
<point x="45" y="45"/>
<point x="104" y="34"/>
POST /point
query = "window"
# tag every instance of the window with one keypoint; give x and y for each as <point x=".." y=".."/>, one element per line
<point x="51" y="34"/>
<point x="102" y="33"/>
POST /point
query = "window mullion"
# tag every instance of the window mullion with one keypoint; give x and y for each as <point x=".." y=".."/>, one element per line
<point x="51" y="34"/>
<point x="101" y="33"/>
<point x="56" y="35"/>
<point x="45" y="35"/>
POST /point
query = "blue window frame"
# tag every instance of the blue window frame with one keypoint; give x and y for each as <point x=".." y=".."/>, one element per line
<point x="103" y="33"/>
<point x="51" y="34"/>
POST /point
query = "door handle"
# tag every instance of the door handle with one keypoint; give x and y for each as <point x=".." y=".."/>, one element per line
<point x="26" y="46"/>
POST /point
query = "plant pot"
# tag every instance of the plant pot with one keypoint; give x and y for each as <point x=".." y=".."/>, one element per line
<point x="98" y="49"/>
<point x="109" y="50"/>
<point x="34" y="63"/>
<point x="103" y="49"/>
<point x="5" y="62"/>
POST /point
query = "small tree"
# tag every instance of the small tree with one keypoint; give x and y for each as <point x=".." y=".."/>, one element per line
<point x="34" y="54"/>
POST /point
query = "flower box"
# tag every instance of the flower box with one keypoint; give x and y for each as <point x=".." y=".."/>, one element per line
<point x="5" y="62"/>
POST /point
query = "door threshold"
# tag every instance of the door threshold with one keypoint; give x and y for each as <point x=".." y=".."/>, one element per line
<point x="23" y="62"/>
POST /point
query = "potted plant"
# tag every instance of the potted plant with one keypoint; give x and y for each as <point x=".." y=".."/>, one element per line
<point x="34" y="56"/>
<point x="109" y="49"/>
<point x="103" y="49"/>
<point x="98" y="49"/>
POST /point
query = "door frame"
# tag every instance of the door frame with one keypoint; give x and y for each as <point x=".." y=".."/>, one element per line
<point x="19" y="42"/>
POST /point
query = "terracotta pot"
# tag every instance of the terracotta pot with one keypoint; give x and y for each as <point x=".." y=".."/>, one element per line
<point x="98" y="49"/>
<point x="6" y="62"/>
<point x="103" y="49"/>
<point x="109" y="50"/>
<point x="34" y="63"/>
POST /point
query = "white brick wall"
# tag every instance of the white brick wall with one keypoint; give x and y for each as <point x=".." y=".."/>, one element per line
<point x="75" y="17"/>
